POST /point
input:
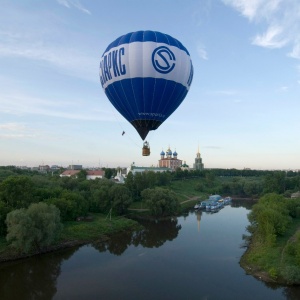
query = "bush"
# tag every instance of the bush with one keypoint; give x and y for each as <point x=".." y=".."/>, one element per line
<point x="273" y="273"/>
<point x="291" y="274"/>
<point x="33" y="228"/>
<point x="162" y="202"/>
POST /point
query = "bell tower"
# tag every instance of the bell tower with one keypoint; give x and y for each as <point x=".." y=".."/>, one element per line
<point x="198" y="165"/>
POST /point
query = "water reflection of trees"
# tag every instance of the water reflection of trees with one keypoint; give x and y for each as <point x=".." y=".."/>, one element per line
<point x="243" y="203"/>
<point x="153" y="235"/>
<point x="292" y="293"/>
<point x="25" y="279"/>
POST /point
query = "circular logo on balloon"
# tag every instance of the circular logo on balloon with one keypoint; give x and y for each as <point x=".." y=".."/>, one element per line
<point x="163" y="59"/>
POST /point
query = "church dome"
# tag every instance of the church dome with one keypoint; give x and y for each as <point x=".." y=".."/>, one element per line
<point x="175" y="153"/>
<point x="162" y="153"/>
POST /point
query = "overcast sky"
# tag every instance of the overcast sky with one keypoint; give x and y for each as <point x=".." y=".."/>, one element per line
<point x="242" y="110"/>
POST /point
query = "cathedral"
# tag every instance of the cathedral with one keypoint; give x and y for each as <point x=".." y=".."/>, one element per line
<point x="169" y="160"/>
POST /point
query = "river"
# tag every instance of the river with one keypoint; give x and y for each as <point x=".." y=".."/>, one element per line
<point x="194" y="256"/>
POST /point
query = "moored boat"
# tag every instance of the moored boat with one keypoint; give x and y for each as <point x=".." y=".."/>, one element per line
<point x="227" y="200"/>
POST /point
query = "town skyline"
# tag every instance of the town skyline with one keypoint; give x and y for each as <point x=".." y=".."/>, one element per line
<point x="242" y="108"/>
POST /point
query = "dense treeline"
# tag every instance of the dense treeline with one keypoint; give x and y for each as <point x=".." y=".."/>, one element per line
<point x="254" y="185"/>
<point x="275" y="238"/>
<point x="230" y="173"/>
<point x="77" y="197"/>
<point x="73" y="197"/>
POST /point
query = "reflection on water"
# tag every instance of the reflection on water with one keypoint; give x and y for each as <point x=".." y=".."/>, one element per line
<point x="195" y="256"/>
<point x="33" y="278"/>
<point x="154" y="234"/>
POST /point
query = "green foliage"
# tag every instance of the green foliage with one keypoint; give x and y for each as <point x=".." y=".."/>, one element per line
<point x="252" y="188"/>
<point x="293" y="206"/>
<point x="275" y="182"/>
<point x="71" y="205"/>
<point x="121" y="198"/>
<point x="33" y="228"/>
<point x="273" y="272"/>
<point x="275" y="247"/>
<point x="100" y="200"/>
<point x="100" y="225"/>
<point x="109" y="172"/>
<point x="4" y="210"/>
<point x="17" y="191"/>
<point x="82" y="175"/>
<point x="291" y="274"/>
<point x="141" y="181"/>
<point x="270" y="217"/>
<point x="161" y="202"/>
<point x="6" y="171"/>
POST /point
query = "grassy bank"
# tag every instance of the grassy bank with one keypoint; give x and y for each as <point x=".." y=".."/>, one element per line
<point x="76" y="233"/>
<point x="273" y="264"/>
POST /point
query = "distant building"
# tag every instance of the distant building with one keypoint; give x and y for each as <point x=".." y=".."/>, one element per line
<point x="44" y="168"/>
<point x="75" y="167"/>
<point x="69" y="173"/>
<point x="198" y="165"/>
<point x="134" y="169"/>
<point x="55" y="167"/>
<point x="184" y="166"/>
<point x="90" y="174"/>
<point x="295" y="195"/>
<point x="119" y="178"/>
<point x="95" y="174"/>
<point x="169" y="160"/>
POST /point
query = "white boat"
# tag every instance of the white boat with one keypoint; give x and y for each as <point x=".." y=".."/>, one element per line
<point x="227" y="200"/>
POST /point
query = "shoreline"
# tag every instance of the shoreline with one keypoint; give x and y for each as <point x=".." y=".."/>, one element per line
<point x="57" y="247"/>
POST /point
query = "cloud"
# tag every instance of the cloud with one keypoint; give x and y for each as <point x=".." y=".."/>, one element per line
<point x="14" y="130"/>
<point x="280" y="19"/>
<point x="21" y="104"/>
<point x="272" y="38"/>
<point x="17" y="136"/>
<point x="65" y="58"/>
<point x="74" y="3"/>
<point x="44" y="37"/>
<point x="202" y="52"/>
<point x="12" y="126"/>
<point x="283" y="88"/>
<point x="224" y="92"/>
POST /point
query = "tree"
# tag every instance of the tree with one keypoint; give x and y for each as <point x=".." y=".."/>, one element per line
<point x="109" y="172"/>
<point x="270" y="217"/>
<point x="210" y="178"/>
<point x="4" y="210"/>
<point x="17" y="191"/>
<point x="251" y="188"/>
<point x="275" y="182"/>
<point x="121" y="198"/>
<point x="161" y="202"/>
<point x="33" y="228"/>
<point x="71" y="205"/>
<point x="100" y="199"/>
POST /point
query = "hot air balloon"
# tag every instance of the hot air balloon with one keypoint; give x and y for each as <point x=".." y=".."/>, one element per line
<point x="146" y="75"/>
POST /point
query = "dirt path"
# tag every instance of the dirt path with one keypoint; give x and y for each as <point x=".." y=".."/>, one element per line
<point x="190" y="199"/>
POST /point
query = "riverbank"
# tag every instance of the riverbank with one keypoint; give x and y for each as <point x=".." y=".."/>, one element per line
<point x="275" y="264"/>
<point x="99" y="228"/>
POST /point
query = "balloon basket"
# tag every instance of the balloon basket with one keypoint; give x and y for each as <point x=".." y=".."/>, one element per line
<point x="146" y="149"/>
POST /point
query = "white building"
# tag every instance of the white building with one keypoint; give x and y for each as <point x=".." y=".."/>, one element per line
<point x="133" y="169"/>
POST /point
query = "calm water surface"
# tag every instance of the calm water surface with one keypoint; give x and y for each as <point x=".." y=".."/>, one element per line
<point x="195" y="256"/>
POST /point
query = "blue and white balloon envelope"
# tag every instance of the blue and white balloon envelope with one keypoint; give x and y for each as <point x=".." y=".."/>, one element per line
<point x="146" y="75"/>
